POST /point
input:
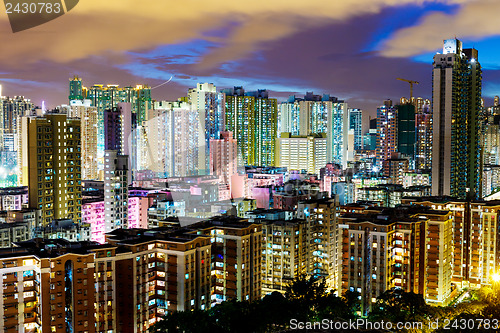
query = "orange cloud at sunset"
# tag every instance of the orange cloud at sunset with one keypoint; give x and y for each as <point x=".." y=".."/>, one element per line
<point x="110" y="27"/>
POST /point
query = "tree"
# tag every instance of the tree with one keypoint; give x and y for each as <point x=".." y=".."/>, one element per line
<point x="397" y="305"/>
<point x="186" y="322"/>
<point x="304" y="294"/>
<point x="234" y="316"/>
<point x="275" y="311"/>
<point x="332" y="307"/>
<point x="353" y="302"/>
<point x="310" y="300"/>
<point x="306" y="299"/>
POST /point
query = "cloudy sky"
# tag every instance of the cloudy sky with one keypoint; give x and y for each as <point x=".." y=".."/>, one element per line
<point x="352" y="49"/>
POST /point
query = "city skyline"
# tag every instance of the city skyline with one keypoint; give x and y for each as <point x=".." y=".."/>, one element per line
<point x="207" y="167"/>
<point x="360" y="63"/>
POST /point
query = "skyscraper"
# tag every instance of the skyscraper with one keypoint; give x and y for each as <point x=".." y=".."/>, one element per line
<point x="387" y="116"/>
<point x="337" y="134"/>
<point x="456" y="149"/>
<point x="10" y="109"/>
<point x="224" y="157"/>
<point x="75" y="89"/>
<point x="289" y="116"/>
<point x="115" y="190"/>
<point x="406" y="129"/>
<point x="253" y="118"/>
<point x="370" y="138"/>
<point x="173" y="139"/>
<point x="88" y="119"/>
<point x="106" y="97"/>
<point x="301" y="152"/>
<point x="356" y="126"/>
<point x="50" y="165"/>
<point x="320" y="240"/>
<point x="423" y="123"/>
<point x="211" y="109"/>
<point x="112" y="129"/>
<point x="316" y="114"/>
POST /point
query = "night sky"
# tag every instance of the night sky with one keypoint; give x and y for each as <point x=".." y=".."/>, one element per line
<point x="351" y="49"/>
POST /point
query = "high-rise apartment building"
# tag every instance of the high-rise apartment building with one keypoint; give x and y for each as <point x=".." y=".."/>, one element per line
<point x="423" y="124"/>
<point x="474" y="238"/>
<point x="93" y="215"/>
<point x="13" y="198"/>
<point x="387" y="140"/>
<point x="407" y="248"/>
<point x="395" y="169"/>
<point x="106" y="97"/>
<point x="289" y="116"/>
<point x="157" y="273"/>
<point x="61" y="286"/>
<point x="44" y="291"/>
<point x="491" y="143"/>
<point x="237" y="255"/>
<point x="281" y="253"/>
<point x="224" y="157"/>
<point x="370" y="139"/>
<point x="456" y="144"/>
<point x="316" y="114"/>
<point x="491" y="180"/>
<point x="356" y="126"/>
<point x="11" y="108"/>
<point x="211" y="114"/>
<point x="113" y="129"/>
<point x="302" y="152"/>
<point x="337" y="134"/>
<point x="406" y="130"/>
<point x="50" y="165"/>
<point x="319" y="239"/>
<point x="253" y="119"/>
<point x="88" y="119"/>
<point x="172" y="132"/>
<point x="306" y="115"/>
<point x="116" y="173"/>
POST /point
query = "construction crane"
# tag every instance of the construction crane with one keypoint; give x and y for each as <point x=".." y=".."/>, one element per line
<point x="411" y="85"/>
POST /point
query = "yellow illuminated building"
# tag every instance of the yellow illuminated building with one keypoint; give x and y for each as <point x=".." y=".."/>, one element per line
<point x="50" y="165"/>
<point x="301" y="152"/>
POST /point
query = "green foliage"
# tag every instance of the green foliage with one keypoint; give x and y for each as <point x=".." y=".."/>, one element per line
<point x="352" y="299"/>
<point x="397" y="305"/>
<point x="186" y="322"/>
<point x="306" y="299"/>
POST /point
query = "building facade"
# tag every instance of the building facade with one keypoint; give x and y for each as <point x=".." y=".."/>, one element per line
<point x="387" y="133"/>
<point x="302" y="152"/>
<point x="116" y="173"/>
<point x="356" y="126"/>
<point x="253" y="119"/>
<point x="88" y="120"/>
<point x="210" y="106"/>
<point x="224" y="157"/>
<point x="456" y="143"/>
<point x="50" y="165"/>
